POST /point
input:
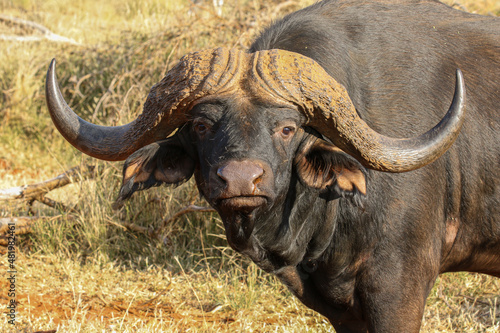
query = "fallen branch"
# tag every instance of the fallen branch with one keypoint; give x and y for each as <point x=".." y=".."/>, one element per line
<point x="46" y="33"/>
<point x="474" y="300"/>
<point x="22" y="224"/>
<point x="38" y="191"/>
<point x="132" y="227"/>
<point x="188" y="209"/>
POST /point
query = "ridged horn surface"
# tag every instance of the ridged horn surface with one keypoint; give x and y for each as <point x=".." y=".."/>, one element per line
<point x="196" y="75"/>
<point x="328" y="108"/>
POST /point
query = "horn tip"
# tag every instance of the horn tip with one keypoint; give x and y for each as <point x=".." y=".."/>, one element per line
<point x="52" y="64"/>
<point x="460" y="77"/>
<point x="460" y="88"/>
<point x="51" y="71"/>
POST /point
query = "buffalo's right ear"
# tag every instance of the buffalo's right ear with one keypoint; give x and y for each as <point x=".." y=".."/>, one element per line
<point x="162" y="162"/>
<point x="322" y="165"/>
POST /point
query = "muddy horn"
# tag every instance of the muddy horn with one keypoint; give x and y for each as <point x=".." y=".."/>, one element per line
<point x="196" y="75"/>
<point x="328" y="108"/>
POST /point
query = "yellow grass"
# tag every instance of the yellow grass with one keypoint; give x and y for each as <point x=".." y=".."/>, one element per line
<point x="82" y="272"/>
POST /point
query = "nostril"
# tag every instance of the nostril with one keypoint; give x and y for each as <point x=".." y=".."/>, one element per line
<point x="254" y="173"/>
<point x="220" y="173"/>
<point x="258" y="178"/>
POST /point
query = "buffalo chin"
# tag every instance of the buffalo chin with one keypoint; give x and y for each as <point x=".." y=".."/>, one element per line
<point x="238" y="215"/>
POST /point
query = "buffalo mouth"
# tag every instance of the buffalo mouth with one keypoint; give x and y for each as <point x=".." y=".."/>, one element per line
<point x="242" y="204"/>
<point x="239" y="215"/>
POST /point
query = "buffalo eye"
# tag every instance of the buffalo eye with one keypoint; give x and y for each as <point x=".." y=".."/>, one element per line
<point x="200" y="128"/>
<point x="287" y="131"/>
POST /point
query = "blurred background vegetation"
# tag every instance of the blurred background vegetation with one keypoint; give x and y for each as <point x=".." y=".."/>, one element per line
<point x="117" y="49"/>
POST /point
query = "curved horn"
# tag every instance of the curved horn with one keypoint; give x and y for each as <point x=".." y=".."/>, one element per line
<point x="328" y="108"/>
<point x="285" y="75"/>
<point x="196" y="75"/>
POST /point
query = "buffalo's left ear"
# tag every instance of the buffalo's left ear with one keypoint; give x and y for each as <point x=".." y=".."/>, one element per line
<point x="324" y="166"/>
<point x="162" y="162"/>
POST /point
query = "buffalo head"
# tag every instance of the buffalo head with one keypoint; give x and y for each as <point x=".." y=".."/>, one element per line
<point x="249" y="124"/>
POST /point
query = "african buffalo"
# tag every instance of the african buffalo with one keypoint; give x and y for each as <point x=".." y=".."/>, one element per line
<point x="317" y="148"/>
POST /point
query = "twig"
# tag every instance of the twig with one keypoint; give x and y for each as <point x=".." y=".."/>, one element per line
<point x="26" y="23"/>
<point x="47" y="34"/>
<point x="188" y="209"/>
<point x="54" y="204"/>
<point x="155" y="233"/>
<point x="150" y="201"/>
<point x="133" y="227"/>
<point x="474" y="299"/>
<point x="38" y="191"/>
<point x="23" y="225"/>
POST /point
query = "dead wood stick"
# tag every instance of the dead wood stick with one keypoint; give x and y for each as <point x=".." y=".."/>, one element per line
<point x="22" y="223"/>
<point x="47" y="34"/>
<point x="132" y="226"/>
<point x="54" y="204"/>
<point x="25" y="23"/>
<point x="37" y="191"/>
<point x="474" y="299"/>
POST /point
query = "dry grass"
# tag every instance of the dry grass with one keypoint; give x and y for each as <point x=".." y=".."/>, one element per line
<point x="84" y="272"/>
